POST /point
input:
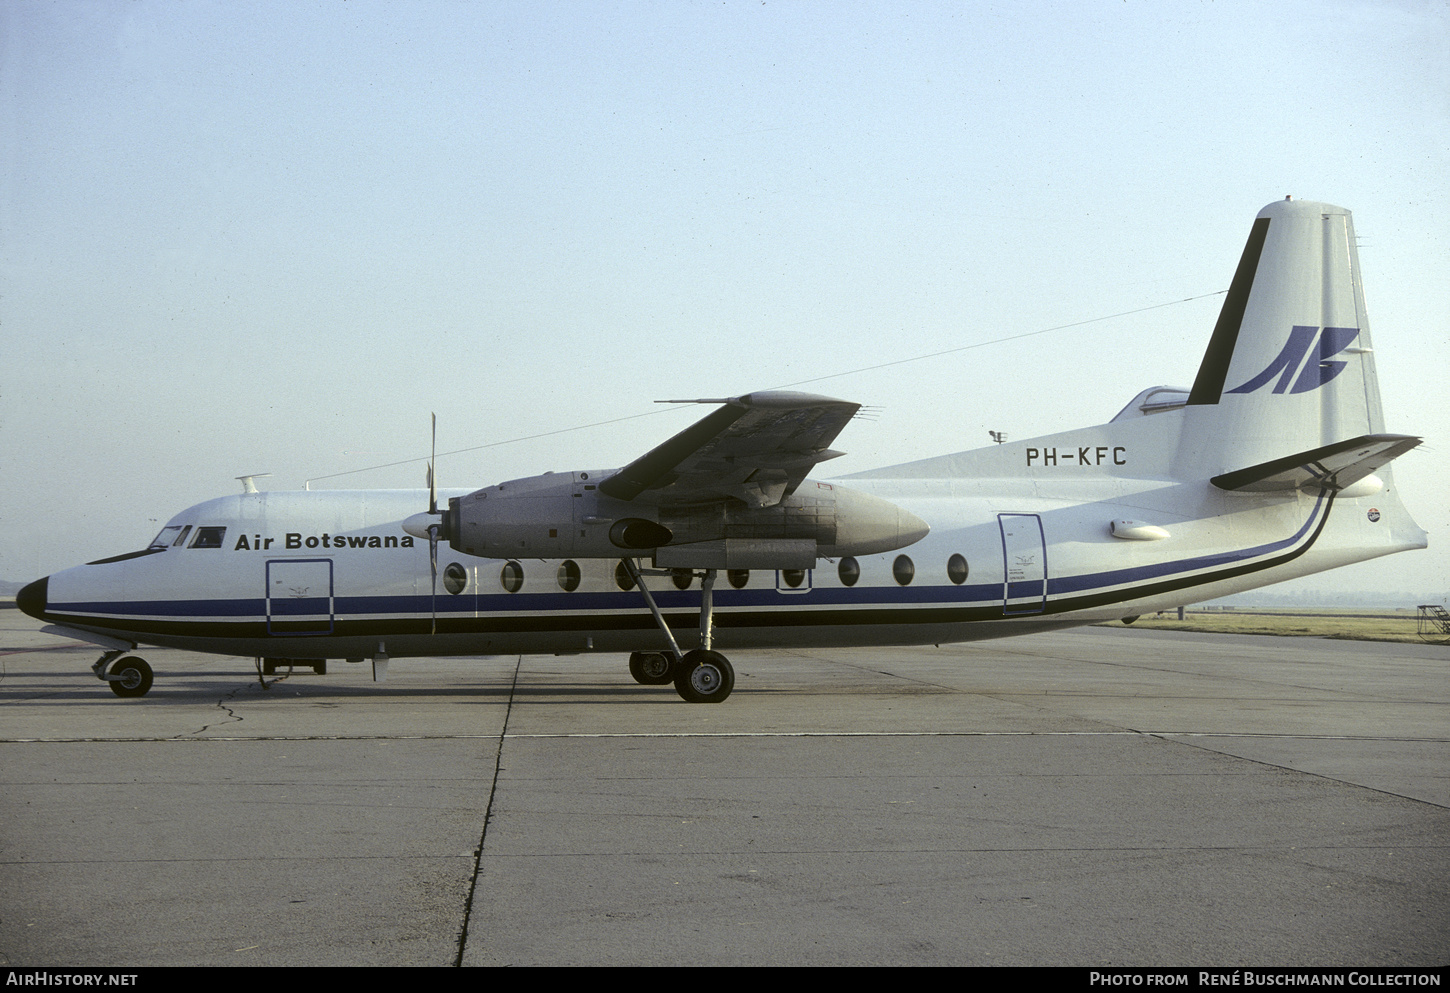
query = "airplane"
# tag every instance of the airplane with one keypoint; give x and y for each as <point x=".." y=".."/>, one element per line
<point x="1273" y="465"/>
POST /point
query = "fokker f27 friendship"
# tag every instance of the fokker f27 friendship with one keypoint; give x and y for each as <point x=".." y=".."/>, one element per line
<point x="1272" y="466"/>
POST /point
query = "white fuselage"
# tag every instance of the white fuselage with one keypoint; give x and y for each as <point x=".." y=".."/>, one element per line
<point x="332" y="574"/>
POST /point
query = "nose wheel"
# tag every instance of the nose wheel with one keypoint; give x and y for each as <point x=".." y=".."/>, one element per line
<point x="130" y="677"/>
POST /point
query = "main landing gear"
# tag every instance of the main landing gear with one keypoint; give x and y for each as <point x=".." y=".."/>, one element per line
<point x="700" y="676"/>
<point x="127" y="675"/>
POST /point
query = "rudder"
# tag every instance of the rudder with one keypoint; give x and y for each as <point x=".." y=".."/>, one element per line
<point x="1289" y="367"/>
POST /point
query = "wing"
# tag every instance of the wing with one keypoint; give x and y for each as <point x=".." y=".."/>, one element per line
<point x="756" y="447"/>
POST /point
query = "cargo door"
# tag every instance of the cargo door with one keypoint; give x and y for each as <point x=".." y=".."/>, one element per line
<point x="1024" y="561"/>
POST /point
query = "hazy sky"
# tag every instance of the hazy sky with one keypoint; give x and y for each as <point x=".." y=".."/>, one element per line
<point x="272" y="237"/>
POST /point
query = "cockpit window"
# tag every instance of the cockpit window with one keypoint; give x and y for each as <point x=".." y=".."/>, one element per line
<point x="168" y="537"/>
<point x="171" y="536"/>
<point x="208" y="537"/>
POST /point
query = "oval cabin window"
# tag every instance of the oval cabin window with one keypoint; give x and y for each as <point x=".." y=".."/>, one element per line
<point x="957" y="569"/>
<point x="849" y="570"/>
<point x="903" y="570"/>
<point x="512" y="577"/>
<point x="568" y="575"/>
<point x="622" y="578"/>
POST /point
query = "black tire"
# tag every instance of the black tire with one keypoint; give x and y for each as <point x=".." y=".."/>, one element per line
<point x="136" y="677"/>
<point x="652" y="668"/>
<point x="704" y="677"/>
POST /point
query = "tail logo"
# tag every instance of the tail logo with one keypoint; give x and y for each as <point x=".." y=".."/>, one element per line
<point x="1316" y="372"/>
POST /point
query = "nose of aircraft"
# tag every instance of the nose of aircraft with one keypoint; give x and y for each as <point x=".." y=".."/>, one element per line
<point x="32" y="596"/>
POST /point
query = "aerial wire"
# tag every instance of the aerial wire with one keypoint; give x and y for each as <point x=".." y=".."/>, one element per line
<point x="783" y="386"/>
<point x="999" y="341"/>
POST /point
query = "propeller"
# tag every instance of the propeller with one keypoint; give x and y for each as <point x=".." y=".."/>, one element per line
<point x="430" y="524"/>
<point x="433" y="527"/>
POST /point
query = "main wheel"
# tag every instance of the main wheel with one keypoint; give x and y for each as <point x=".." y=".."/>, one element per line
<point x="652" y="668"/>
<point x="134" y="677"/>
<point x="704" y="677"/>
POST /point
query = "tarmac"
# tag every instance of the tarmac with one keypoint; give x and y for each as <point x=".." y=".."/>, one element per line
<point x="1100" y="797"/>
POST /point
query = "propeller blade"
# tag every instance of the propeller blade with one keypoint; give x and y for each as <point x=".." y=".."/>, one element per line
<point x="432" y="478"/>
<point x="433" y="568"/>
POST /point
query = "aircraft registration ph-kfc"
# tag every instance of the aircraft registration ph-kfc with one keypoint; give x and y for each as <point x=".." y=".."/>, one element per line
<point x="1272" y="466"/>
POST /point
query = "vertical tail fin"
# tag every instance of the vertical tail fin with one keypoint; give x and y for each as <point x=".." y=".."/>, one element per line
<point x="1289" y="367"/>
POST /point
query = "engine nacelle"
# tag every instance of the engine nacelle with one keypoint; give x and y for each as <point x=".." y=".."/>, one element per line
<point x="563" y="515"/>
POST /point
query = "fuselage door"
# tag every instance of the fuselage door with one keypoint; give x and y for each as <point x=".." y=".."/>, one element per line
<point x="299" y="596"/>
<point x="1024" y="556"/>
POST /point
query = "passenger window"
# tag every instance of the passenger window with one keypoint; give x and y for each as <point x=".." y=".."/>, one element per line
<point x="957" y="569"/>
<point x="793" y="577"/>
<point x="738" y="577"/>
<point x="622" y="578"/>
<point x="455" y="578"/>
<point x="512" y="577"/>
<point x="849" y="570"/>
<point x="208" y="537"/>
<point x="568" y="575"/>
<point x="903" y="570"/>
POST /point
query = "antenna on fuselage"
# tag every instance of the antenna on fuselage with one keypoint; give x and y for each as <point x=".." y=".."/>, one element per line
<point x="248" y="486"/>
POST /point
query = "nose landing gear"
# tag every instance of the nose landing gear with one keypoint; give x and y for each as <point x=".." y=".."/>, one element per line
<point x="128" y="677"/>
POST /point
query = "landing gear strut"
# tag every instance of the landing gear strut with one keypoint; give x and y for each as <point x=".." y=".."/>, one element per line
<point x="700" y="676"/>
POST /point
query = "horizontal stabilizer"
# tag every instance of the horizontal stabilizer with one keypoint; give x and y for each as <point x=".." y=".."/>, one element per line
<point x="1333" y="467"/>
